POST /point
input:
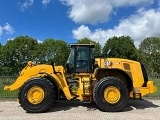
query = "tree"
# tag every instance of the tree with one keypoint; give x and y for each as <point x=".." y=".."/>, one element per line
<point x="1" y="59"/>
<point x="39" y="54"/>
<point x="97" y="51"/>
<point x="121" y="47"/>
<point x="150" y="51"/>
<point x="17" y="52"/>
<point x="46" y="52"/>
<point x="62" y="52"/>
<point x="55" y="51"/>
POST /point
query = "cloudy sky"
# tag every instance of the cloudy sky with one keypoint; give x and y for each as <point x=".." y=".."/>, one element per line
<point x="71" y="20"/>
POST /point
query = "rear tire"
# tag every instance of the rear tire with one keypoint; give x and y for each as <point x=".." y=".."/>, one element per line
<point x="110" y="94"/>
<point x="37" y="95"/>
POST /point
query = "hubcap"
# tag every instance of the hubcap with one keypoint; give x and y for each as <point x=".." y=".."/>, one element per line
<point x="112" y="95"/>
<point x="35" y="95"/>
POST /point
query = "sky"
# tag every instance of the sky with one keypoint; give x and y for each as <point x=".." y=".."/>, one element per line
<point x="71" y="20"/>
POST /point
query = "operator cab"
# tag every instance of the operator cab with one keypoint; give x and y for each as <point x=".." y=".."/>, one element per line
<point x="81" y="58"/>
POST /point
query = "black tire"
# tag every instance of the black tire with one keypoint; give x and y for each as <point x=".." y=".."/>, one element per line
<point x="98" y="94"/>
<point x="49" y="95"/>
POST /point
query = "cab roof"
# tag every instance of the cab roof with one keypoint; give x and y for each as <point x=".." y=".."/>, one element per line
<point x="82" y="45"/>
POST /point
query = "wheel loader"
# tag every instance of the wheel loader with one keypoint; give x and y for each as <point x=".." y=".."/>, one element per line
<point x="108" y="82"/>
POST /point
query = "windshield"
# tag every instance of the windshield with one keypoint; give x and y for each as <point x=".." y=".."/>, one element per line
<point x="70" y="60"/>
<point x="80" y="59"/>
<point x="82" y="54"/>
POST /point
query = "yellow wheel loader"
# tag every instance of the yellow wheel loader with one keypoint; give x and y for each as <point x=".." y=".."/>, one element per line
<point x="108" y="82"/>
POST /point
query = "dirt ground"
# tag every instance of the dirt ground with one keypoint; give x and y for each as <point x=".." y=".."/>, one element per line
<point x="71" y="110"/>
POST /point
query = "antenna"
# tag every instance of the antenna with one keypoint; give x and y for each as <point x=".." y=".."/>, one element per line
<point x="108" y="52"/>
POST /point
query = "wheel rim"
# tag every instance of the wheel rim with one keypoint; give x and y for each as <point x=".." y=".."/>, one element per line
<point x="35" y="95"/>
<point x="112" y="95"/>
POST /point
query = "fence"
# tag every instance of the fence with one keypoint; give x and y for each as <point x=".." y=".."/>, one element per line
<point x="154" y="75"/>
<point x="8" y="80"/>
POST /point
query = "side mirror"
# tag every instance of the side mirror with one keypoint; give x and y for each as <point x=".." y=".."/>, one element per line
<point x="54" y="71"/>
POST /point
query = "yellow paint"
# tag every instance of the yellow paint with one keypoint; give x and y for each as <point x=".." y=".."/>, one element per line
<point x="36" y="71"/>
<point x="135" y="70"/>
<point x="84" y="85"/>
<point x="86" y="81"/>
<point x="112" y="95"/>
<point x="145" y="90"/>
<point x="35" y="95"/>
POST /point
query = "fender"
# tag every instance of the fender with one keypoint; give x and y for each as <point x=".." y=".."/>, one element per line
<point x="103" y="72"/>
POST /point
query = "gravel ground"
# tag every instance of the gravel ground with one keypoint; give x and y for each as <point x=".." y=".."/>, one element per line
<point x="71" y="110"/>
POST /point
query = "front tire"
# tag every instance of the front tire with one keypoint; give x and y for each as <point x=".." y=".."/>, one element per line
<point x="110" y="94"/>
<point x="37" y="95"/>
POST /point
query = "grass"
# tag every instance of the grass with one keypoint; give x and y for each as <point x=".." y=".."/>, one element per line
<point x="8" y="94"/>
<point x="7" y="81"/>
